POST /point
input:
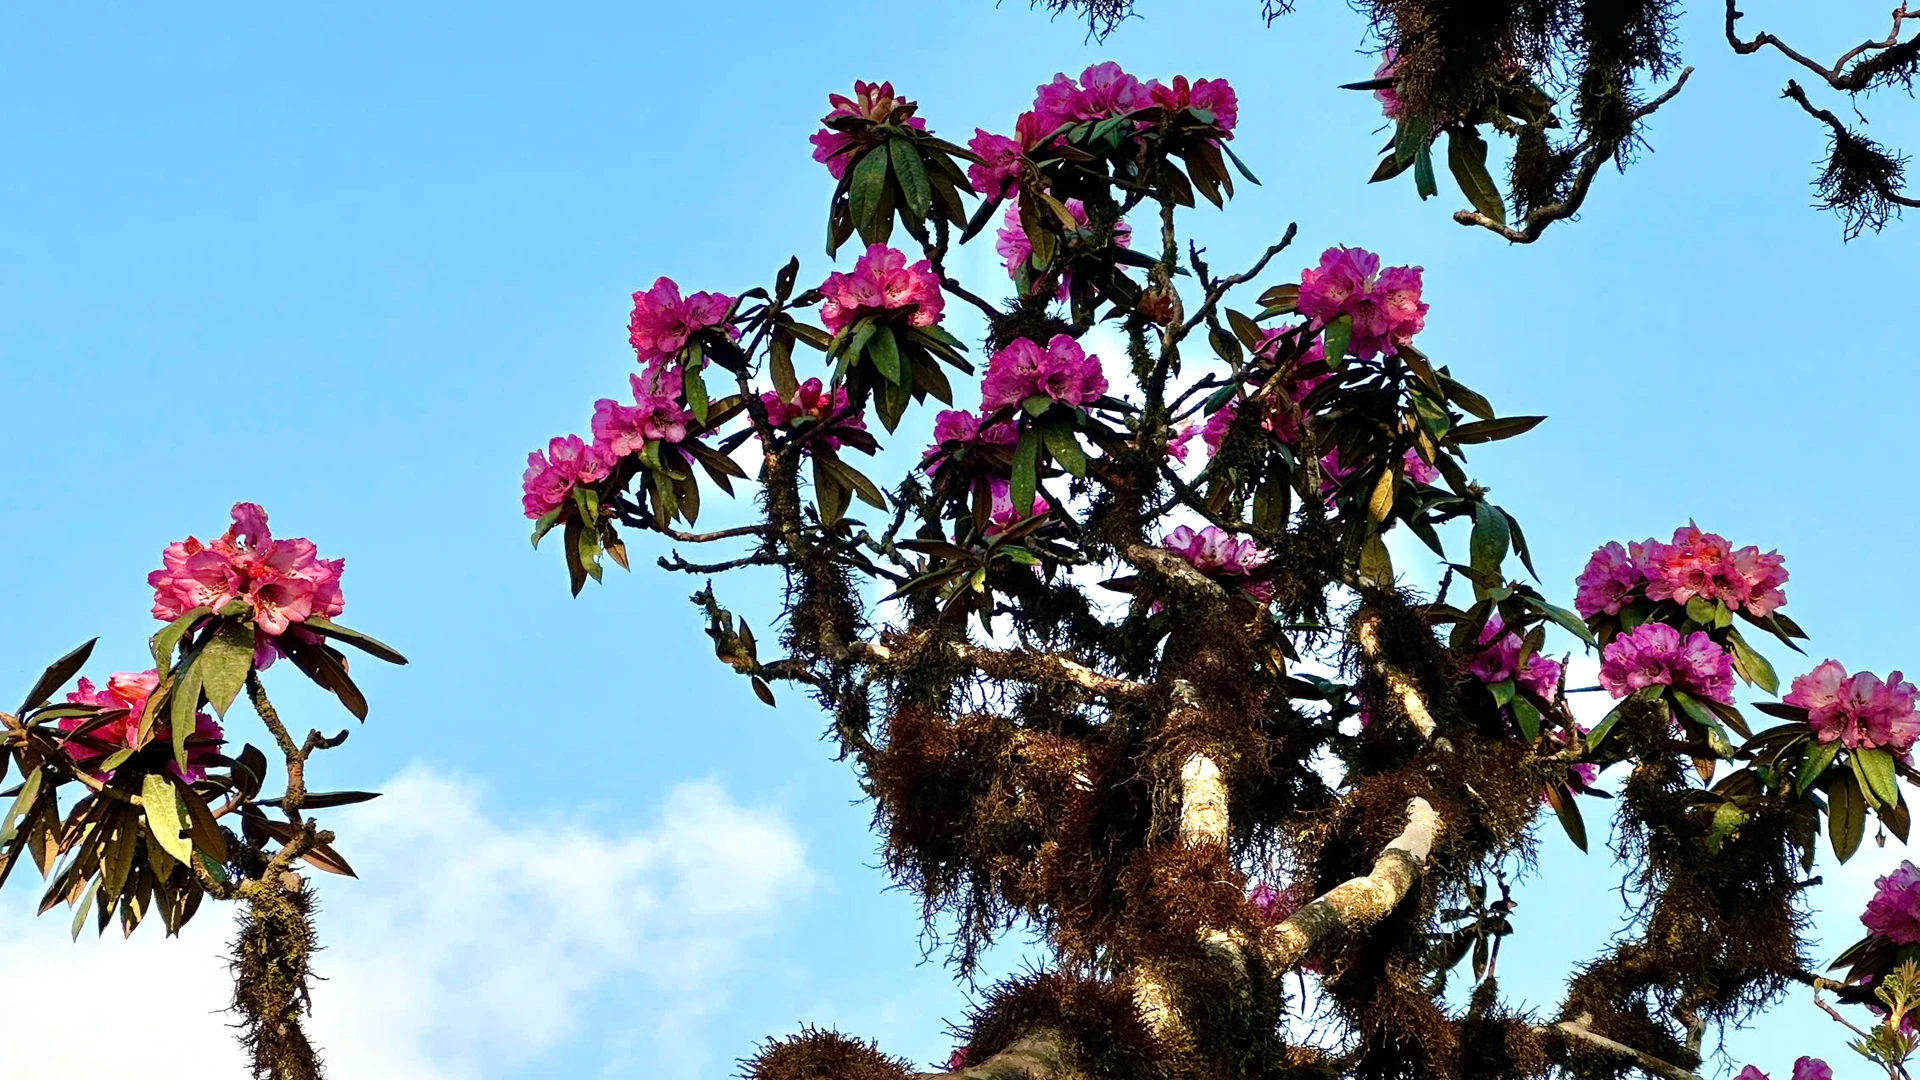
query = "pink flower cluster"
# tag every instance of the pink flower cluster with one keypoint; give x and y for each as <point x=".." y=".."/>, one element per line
<point x="1104" y="90"/>
<point x="284" y="581"/>
<point x="1805" y="1068"/>
<point x="1655" y="654"/>
<point x="1218" y="554"/>
<point x="1277" y="905"/>
<point x="882" y="284"/>
<point x="662" y="321"/>
<point x="997" y="174"/>
<point x="1413" y="467"/>
<point x="1385" y="304"/>
<point x="550" y="477"/>
<point x="1001" y="516"/>
<point x="1696" y="563"/>
<point x="956" y="430"/>
<point x="656" y="415"/>
<point x="130" y="691"/>
<point x="1017" y="251"/>
<point x="1062" y="371"/>
<point x="873" y="101"/>
<point x="1498" y="661"/>
<point x="812" y="402"/>
<point x="1858" y="710"/>
<point x="1213" y="95"/>
<point x="1894" y="911"/>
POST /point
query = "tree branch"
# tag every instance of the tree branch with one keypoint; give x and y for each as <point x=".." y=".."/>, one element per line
<point x="1018" y="665"/>
<point x="1359" y="902"/>
<point x="1646" y="1063"/>
<point x="1399" y="683"/>
<point x="1039" y="1056"/>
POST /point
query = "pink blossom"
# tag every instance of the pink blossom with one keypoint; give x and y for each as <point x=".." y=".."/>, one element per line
<point x="1218" y="554"/>
<point x="1894" y="911"/>
<point x="1214" y="434"/>
<point x="550" y="477"/>
<point x="1705" y="565"/>
<point x="1751" y="1072"/>
<point x="1277" y="905"/>
<point x="1332" y="472"/>
<point x="1388" y="96"/>
<point x="1177" y="443"/>
<point x="130" y="691"/>
<point x="1385" y="305"/>
<point x="1063" y="372"/>
<point x="1102" y="91"/>
<point x="1811" y="1068"/>
<point x="284" y="581"/>
<point x="812" y="402"/>
<point x="1416" y="469"/>
<point x="997" y="174"/>
<point x="1002" y="516"/>
<point x="955" y="430"/>
<point x="882" y="284"/>
<point x="1609" y="581"/>
<point x="1654" y="654"/>
<point x="1858" y="710"/>
<point x="662" y="322"/>
<point x="1017" y="251"/>
<point x="871" y="101"/>
<point x="656" y="415"/>
<point x="1500" y="654"/>
<point x="1213" y="95"/>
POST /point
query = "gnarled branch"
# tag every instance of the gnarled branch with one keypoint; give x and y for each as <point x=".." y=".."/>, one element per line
<point x="1358" y="902"/>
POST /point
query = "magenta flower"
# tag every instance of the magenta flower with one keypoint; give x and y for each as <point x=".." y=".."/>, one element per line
<point x="1894" y="911"/>
<point x="882" y="284"/>
<point x="1416" y="469"/>
<point x="1218" y="554"/>
<point x="1063" y="372"/>
<point x="1103" y="90"/>
<point x="1214" y="434"/>
<point x="1177" y="444"/>
<point x="1213" y="95"/>
<point x="1609" y="581"/>
<point x="1703" y="564"/>
<point x="550" y="477"/>
<point x="662" y="322"/>
<point x="1654" y="654"/>
<point x="1277" y="905"/>
<point x="812" y="402"/>
<point x="997" y="174"/>
<point x="1387" y="96"/>
<point x="284" y="581"/>
<point x="1858" y="710"/>
<point x="130" y="691"/>
<point x="1811" y="1068"/>
<point x="1751" y="1072"/>
<point x="871" y="101"/>
<point x="955" y="430"/>
<point x="1500" y="653"/>
<point x="656" y="415"/>
<point x="1385" y="305"/>
<point x="1001" y="516"/>
<point x="1017" y="251"/>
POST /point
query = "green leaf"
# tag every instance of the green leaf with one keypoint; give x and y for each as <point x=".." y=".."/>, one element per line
<point x="1238" y="164"/>
<point x="1376" y="566"/>
<point x="21" y="802"/>
<point x="546" y="523"/>
<point x="1700" y="610"/>
<point x="1846" y="816"/>
<point x="1875" y="770"/>
<point x="164" y="818"/>
<point x="57" y="675"/>
<point x="1566" y="620"/>
<point x="884" y="351"/>
<point x="1026" y="473"/>
<point x="185" y="707"/>
<point x="224" y="662"/>
<point x="1412" y="133"/>
<point x="1423" y="179"/>
<point x="912" y="173"/>
<point x="1489" y="541"/>
<point x="1339" y="334"/>
<point x="1819" y="756"/>
<point x="1064" y="445"/>
<point x="355" y="638"/>
<point x="1727" y="820"/>
<point x="1562" y="799"/>
<point x="1480" y="431"/>
<point x="168" y="636"/>
<point x="867" y="193"/>
<point x="1528" y="717"/>
<point x="695" y="386"/>
<point x="1502" y="692"/>
<point x="1751" y="665"/>
<point x="1604" y="728"/>
<point x="1467" y="157"/>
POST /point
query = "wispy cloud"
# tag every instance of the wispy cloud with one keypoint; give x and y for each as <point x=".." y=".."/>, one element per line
<point x="472" y="944"/>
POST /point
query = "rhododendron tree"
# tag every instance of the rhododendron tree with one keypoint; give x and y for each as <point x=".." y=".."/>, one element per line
<point x="1176" y="711"/>
<point x="135" y="801"/>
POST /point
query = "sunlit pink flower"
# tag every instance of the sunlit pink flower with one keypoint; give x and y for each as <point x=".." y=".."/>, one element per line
<point x="1344" y="277"/>
<point x="812" y="402"/>
<point x="1859" y="710"/>
<point x="656" y="415"/>
<point x="1705" y="565"/>
<point x="1811" y="1068"/>
<point x="997" y="173"/>
<point x="882" y="284"/>
<point x="1655" y="654"/>
<point x="1219" y="554"/>
<point x="1016" y="251"/>
<point x="954" y="430"/>
<point x="1415" y="468"/>
<point x="1062" y="371"/>
<point x="1177" y="443"/>
<point x="662" y="322"/>
<point x="1103" y="90"/>
<point x="1751" y="1072"/>
<point x="1001" y="516"/>
<point x="1213" y="95"/>
<point x="130" y="691"/>
<point x="1608" y="583"/>
<point x="1214" y="434"/>
<point x="284" y="581"/>
<point x="1387" y="96"/>
<point x="1385" y="305"/>
<point x="872" y="101"/>
<point x="550" y="477"/>
<point x="1894" y="911"/>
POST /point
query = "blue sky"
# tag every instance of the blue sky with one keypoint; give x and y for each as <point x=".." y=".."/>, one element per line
<point x="352" y="262"/>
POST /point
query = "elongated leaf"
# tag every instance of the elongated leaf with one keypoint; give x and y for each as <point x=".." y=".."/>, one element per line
<point x="1376" y="565"/>
<point x="1752" y="666"/>
<point x="1480" y="431"/>
<point x="206" y="832"/>
<point x="164" y="818"/>
<point x="912" y="174"/>
<point x="1424" y="182"/>
<point x="29" y="791"/>
<point x="885" y="353"/>
<point x="57" y="675"/>
<point x="1875" y="770"/>
<point x="1064" y="445"/>
<point x="168" y="637"/>
<point x="1562" y="799"/>
<point x="1489" y="540"/>
<point x="1026" y="467"/>
<point x="1527" y="717"/>
<point x="359" y="640"/>
<point x="1604" y="728"/>
<point x="1334" y="347"/>
<point x="1467" y="158"/>
<point x="182" y="718"/>
<point x="1846" y="816"/>
<point x="868" y="189"/>
<point x="1819" y="756"/>
<point x="224" y="662"/>
<point x="1380" y="502"/>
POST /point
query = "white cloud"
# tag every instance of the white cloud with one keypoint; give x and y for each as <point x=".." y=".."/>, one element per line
<point x="471" y="944"/>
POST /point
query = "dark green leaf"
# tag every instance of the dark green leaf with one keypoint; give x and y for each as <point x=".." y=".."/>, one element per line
<point x="1480" y="431"/>
<point x="1467" y="157"/>
<point x="867" y="193"/>
<point x="1528" y="717"/>
<point x="912" y="175"/>
<point x="885" y="354"/>
<point x="1026" y="468"/>
<point x="168" y="636"/>
<point x="1752" y="666"/>
<point x="1846" y="816"/>
<point x="1819" y="756"/>
<point x="355" y="638"/>
<point x="224" y="662"/>
<point x="1563" y="801"/>
<point x="57" y="675"/>
<point x="1424" y="182"/>
<point x="1065" y="447"/>
<point x="1489" y="541"/>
